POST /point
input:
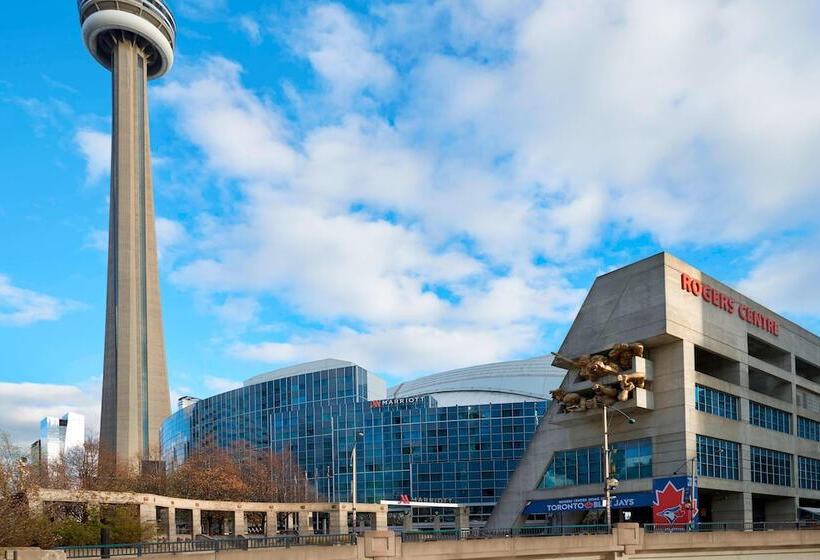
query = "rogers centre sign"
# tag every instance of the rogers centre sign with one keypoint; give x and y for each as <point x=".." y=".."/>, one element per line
<point x="727" y="304"/>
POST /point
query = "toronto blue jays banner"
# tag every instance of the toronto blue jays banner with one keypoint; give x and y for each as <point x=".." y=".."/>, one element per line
<point x="671" y="504"/>
<point x="623" y="500"/>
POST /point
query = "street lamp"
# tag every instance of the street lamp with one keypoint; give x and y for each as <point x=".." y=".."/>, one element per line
<point x="353" y="482"/>
<point x="609" y="482"/>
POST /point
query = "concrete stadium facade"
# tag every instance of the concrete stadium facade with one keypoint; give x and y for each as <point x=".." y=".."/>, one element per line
<point x="731" y="402"/>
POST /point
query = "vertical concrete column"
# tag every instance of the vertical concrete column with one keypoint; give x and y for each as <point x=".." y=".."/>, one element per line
<point x="381" y="520"/>
<point x="462" y="519"/>
<point x="338" y="521"/>
<point x="172" y="523"/>
<point x="196" y="522"/>
<point x="305" y="522"/>
<point x="437" y="522"/>
<point x="240" y="527"/>
<point x="270" y="523"/>
<point x="747" y="507"/>
<point x="408" y="520"/>
<point x="148" y="517"/>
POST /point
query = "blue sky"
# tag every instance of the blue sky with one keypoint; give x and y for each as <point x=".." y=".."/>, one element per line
<point x="412" y="185"/>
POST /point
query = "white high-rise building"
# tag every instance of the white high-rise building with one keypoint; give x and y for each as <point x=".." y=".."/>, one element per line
<point x="58" y="436"/>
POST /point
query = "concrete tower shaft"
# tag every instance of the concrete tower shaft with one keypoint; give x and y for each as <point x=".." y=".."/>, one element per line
<point x="133" y="39"/>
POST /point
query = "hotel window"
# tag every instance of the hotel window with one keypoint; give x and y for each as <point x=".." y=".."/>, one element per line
<point x="770" y="418"/>
<point x="771" y="467"/>
<point x="808" y="429"/>
<point x="718" y="458"/>
<point x="809" y="473"/>
<point x="716" y="402"/>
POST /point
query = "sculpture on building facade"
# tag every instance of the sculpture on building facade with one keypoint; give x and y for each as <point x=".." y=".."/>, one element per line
<point x="593" y="368"/>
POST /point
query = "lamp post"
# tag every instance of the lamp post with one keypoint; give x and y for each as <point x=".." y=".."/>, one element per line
<point x="353" y="482"/>
<point x="609" y="482"/>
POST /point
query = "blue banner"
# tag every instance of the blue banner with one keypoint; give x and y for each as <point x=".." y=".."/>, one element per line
<point x="623" y="500"/>
<point x="674" y="501"/>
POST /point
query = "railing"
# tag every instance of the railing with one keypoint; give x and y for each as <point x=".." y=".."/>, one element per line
<point x="157" y="6"/>
<point x="138" y="549"/>
<point x="721" y="526"/>
<point x="482" y="533"/>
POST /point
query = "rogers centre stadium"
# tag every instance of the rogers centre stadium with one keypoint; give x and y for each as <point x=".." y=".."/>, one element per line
<point x="454" y="436"/>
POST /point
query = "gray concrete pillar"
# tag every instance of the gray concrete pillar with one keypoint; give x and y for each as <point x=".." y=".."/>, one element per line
<point x="148" y="517"/>
<point x="437" y="522"/>
<point x="240" y="527"/>
<point x="270" y="523"/>
<point x="172" y="524"/>
<point x="338" y="522"/>
<point x="305" y="522"/>
<point x="462" y="519"/>
<point x="407" y="524"/>
<point x="381" y="520"/>
<point x="196" y="522"/>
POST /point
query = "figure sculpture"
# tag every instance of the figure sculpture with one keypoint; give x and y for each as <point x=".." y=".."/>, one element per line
<point x="597" y="366"/>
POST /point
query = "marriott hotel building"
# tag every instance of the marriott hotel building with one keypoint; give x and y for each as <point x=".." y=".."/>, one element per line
<point x="731" y="402"/>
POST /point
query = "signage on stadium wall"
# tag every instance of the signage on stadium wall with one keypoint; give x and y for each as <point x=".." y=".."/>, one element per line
<point x="723" y="301"/>
<point x="393" y="402"/>
<point x="670" y="504"/>
<point x="624" y="500"/>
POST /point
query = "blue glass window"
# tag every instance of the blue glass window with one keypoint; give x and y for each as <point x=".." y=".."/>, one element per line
<point x="716" y="402"/>
<point x="770" y="417"/>
<point x="632" y="459"/>
<point x="807" y="428"/>
<point x="809" y="473"/>
<point x="771" y="467"/>
<point x="572" y="467"/>
<point x="718" y="458"/>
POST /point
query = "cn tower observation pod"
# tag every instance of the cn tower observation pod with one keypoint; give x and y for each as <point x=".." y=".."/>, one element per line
<point x="104" y="22"/>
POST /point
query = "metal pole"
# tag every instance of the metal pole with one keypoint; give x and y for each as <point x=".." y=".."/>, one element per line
<point x="333" y="459"/>
<point x="353" y="484"/>
<point x="606" y="472"/>
<point x="692" y="492"/>
<point x="411" y="477"/>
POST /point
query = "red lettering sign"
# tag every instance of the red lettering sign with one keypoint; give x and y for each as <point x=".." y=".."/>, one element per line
<point x="717" y="298"/>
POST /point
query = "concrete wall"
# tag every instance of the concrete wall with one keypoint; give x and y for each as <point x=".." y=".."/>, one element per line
<point x="628" y="541"/>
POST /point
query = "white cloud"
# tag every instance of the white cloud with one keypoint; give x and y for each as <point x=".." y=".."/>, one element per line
<point x="96" y="149"/>
<point x="242" y="135"/>
<point x="688" y="114"/>
<point x="220" y="384"/>
<point x="402" y="351"/>
<point x="237" y="310"/>
<point x="342" y="54"/>
<point x="201" y="9"/>
<point x="542" y="133"/>
<point x="170" y="235"/>
<point x="250" y="27"/>
<point x="20" y="307"/>
<point x="786" y="280"/>
<point x="23" y="405"/>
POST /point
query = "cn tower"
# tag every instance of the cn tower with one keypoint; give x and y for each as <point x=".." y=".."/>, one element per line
<point x="134" y="39"/>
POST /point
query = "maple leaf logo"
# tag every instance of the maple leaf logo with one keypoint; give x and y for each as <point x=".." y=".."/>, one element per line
<point x="669" y="505"/>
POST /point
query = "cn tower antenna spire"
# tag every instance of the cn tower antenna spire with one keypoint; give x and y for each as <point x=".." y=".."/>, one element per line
<point x="134" y="39"/>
